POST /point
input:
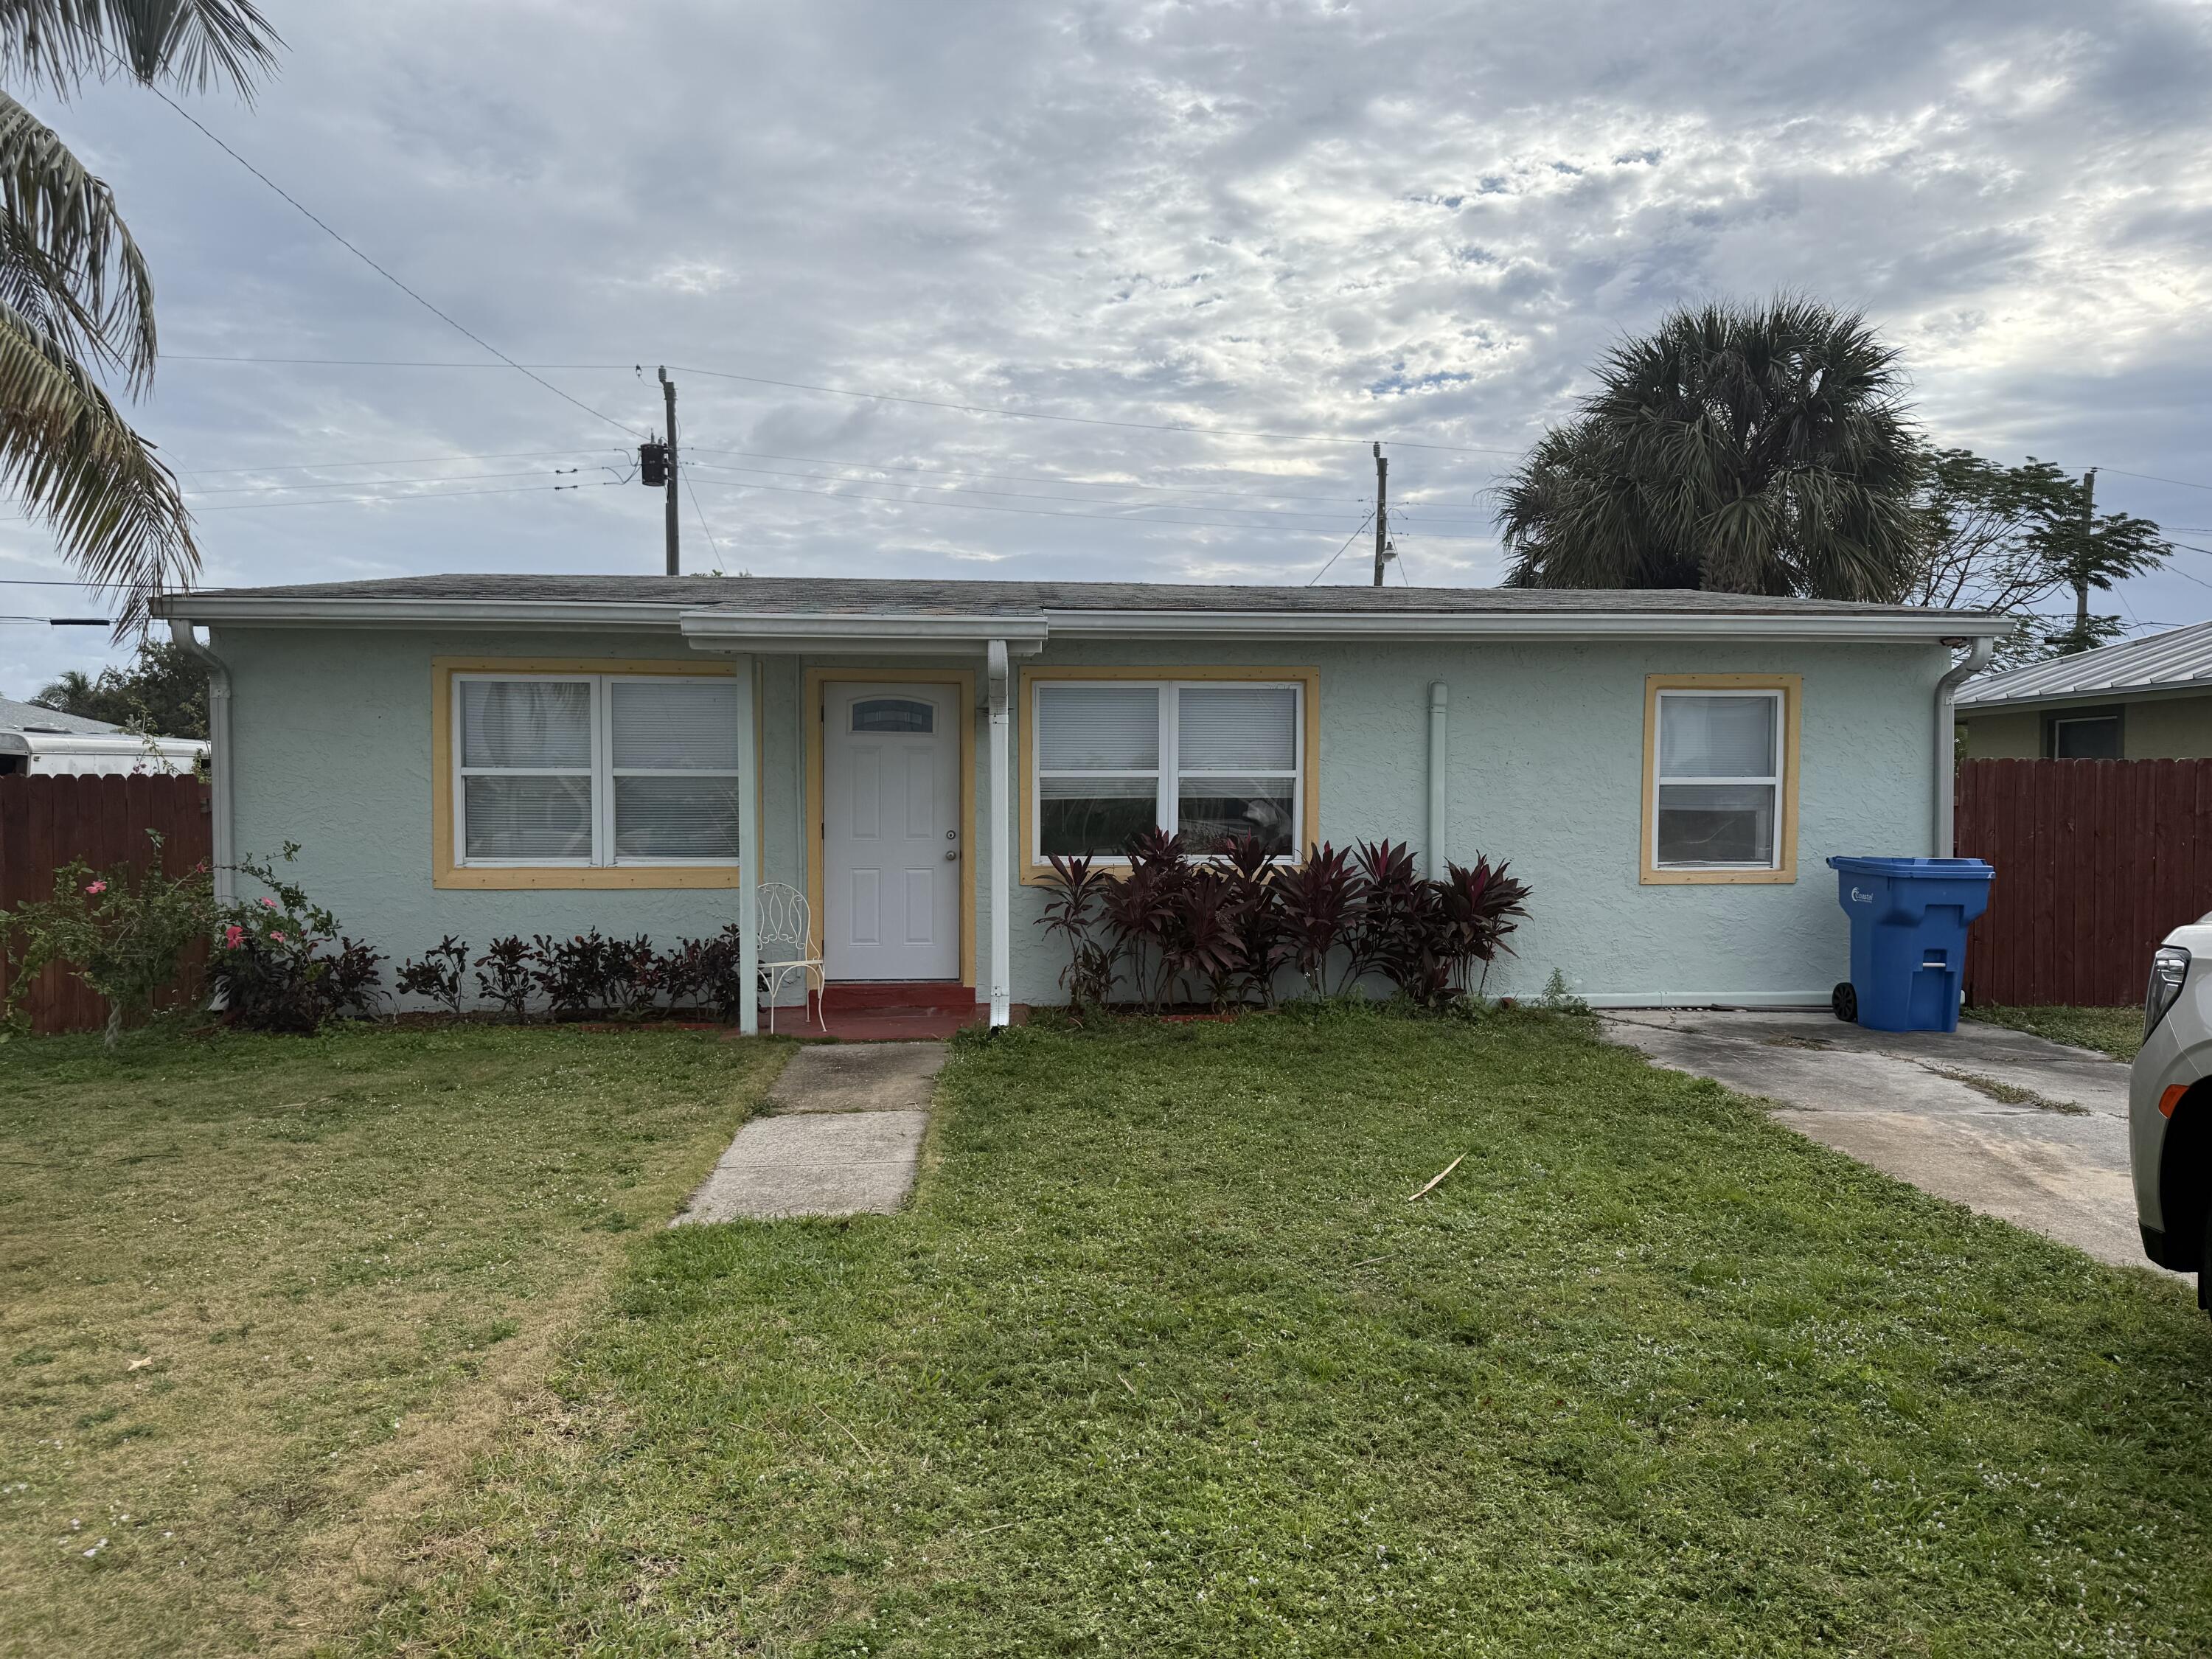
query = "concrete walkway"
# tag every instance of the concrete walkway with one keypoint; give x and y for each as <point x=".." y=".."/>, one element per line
<point x="841" y="1134"/>
<point x="2011" y="1125"/>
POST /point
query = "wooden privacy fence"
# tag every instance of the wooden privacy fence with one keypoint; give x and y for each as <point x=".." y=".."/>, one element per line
<point x="2096" y="862"/>
<point x="44" y="822"/>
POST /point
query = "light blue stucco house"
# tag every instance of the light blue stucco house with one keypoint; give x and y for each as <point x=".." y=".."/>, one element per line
<point x="489" y="755"/>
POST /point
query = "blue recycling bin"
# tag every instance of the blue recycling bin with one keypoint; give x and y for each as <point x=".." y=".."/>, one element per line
<point x="1909" y="919"/>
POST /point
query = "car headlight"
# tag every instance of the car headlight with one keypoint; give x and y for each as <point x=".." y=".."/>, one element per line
<point x="2168" y="970"/>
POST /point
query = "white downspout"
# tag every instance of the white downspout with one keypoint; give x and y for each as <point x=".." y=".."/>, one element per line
<point x="1977" y="656"/>
<point x="1439" y="781"/>
<point x="1002" y="929"/>
<point x="220" y="768"/>
<point x="750" y="853"/>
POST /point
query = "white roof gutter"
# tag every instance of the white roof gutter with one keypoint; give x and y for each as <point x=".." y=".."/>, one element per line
<point x="415" y="613"/>
<point x="718" y="629"/>
<point x="1557" y="625"/>
<point x="897" y="634"/>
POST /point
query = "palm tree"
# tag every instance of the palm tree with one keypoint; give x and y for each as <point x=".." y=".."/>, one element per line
<point x="76" y="300"/>
<point x="1746" y="449"/>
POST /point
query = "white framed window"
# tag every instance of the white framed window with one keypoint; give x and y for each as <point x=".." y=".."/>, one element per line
<point x="1209" y="759"/>
<point x="589" y="770"/>
<point x="1717" y="800"/>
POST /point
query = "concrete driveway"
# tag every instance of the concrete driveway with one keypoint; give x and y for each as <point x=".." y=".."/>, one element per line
<point x="2014" y="1126"/>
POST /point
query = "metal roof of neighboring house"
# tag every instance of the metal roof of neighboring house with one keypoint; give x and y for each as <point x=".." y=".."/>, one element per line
<point x="28" y="717"/>
<point x="793" y="612"/>
<point x="2179" y="659"/>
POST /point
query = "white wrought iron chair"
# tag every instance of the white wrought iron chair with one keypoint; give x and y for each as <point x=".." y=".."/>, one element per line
<point x="787" y="920"/>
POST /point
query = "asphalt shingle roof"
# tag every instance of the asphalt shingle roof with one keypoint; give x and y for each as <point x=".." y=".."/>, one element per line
<point x="2178" y="658"/>
<point x="22" y="716"/>
<point x="922" y="597"/>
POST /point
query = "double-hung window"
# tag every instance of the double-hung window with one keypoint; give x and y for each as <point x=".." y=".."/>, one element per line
<point x="594" y="770"/>
<point x="1718" y="800"/>
<point x="1211" y="760"/>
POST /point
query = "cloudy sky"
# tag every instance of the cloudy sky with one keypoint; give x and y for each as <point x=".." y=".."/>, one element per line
<point x="1226" y="245"/>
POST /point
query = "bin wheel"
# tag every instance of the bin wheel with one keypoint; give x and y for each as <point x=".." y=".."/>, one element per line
<point x="1844" y="999"/>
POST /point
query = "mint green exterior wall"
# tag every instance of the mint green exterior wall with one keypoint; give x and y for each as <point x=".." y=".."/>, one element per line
<point x="332" y="732"/>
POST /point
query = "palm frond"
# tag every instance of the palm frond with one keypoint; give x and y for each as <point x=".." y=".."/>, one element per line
<point x="195" y="43"/>
<point x="80" y="470"/>
<point x="63" y="234"/>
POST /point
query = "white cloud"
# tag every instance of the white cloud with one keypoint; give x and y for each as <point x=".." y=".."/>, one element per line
<point x="1357" y="220"/>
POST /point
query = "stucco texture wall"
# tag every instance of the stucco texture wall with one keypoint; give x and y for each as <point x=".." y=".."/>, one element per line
<point x="332" y="733"/>
<point x="1546" y="758"/>
<point x="332" y="736"/>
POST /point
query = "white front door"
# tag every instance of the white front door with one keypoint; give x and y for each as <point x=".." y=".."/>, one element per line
<point x="892" y="857"/>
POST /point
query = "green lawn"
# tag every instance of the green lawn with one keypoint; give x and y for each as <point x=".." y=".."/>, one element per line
<point x="261" y="1297"/>
<point x="1163" y="1361"/>
<point x="2115" y="1032"/>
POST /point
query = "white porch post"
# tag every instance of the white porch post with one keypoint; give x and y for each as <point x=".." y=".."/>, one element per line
<point x="749" y="851"/>
<point x="1001" y="826"/>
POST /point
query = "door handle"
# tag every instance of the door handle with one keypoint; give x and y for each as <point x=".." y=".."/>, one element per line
<point x="950" y="855"/>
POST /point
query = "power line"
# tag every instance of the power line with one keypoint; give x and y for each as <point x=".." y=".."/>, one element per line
<point x="1184" y="428"/>
<point x="1090" y="420"/>
<point x="986" y="507"/>
<point x="400" y="461"/>
<point x="355" y="501"/>
<point x="361" y="483"/>
<point x="1012" y="477"/>
<point x="1339" y="552"/>
<point x="1028" y="495"/>
<point x="711" y="545"/>
<point x="2153" y="478"/>
<point x="442" y="316"/>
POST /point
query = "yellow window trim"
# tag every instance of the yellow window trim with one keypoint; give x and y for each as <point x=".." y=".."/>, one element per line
<point x="1792" y="688"/>
<point x="446" y="873"/>
<point x="813" y="684"/>
<point x="1034" y="871"/>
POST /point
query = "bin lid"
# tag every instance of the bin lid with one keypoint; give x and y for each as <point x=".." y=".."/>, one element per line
<point x="1912" y="869"/>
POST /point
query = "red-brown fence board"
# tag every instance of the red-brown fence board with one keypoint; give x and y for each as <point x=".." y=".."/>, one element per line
<point x="2096" y="862"/>
<point x="46" y="822"/>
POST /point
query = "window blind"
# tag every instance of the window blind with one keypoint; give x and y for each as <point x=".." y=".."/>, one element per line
<point x="1095" y="728"/>
<point x="1235" y="728"/>
<point x="1703" y="737"/>
<point x="675" y="725"/>
<point x="648" y="774"/>
<point x="511" y="816"/>
<point x="526" y="725"/>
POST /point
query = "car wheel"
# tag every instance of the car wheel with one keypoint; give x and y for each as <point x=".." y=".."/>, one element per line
<point x="1844" y="999"/>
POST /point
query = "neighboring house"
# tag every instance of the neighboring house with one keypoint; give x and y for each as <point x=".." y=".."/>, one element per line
<point x="489" y="755"/>
<point x="39" y="741"/>
<point x="2146" y="699"/>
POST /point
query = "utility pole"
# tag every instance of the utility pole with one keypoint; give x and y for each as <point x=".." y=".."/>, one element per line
<point x="2081" y="560"/>
<point x="668" y="387"/>
<point x="1381" y="512"/>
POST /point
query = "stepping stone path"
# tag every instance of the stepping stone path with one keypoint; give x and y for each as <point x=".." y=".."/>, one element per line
<point x="840" y="1135"/>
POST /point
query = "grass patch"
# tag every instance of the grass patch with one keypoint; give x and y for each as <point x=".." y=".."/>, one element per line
<point x="2114" y="1031"/>
<point x="1163" y="1360"/>
<point x="260" y="1296"/>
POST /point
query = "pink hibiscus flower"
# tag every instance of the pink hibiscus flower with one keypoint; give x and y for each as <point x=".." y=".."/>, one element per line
<point x="96" y="887"/>
<point x="279" y="938"/>
<point x="233" y="936"/>
<point x="269" y="904"/>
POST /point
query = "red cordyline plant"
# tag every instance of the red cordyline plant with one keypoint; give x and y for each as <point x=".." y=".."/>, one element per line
<point x="1478" y="905"/>
<point x="1140" y="910"/>
<point x="1255" y="913"/>
<point x="1075" y="895"/>
<point x="1320" y="900"/>
<point x="1201" y="941"/>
